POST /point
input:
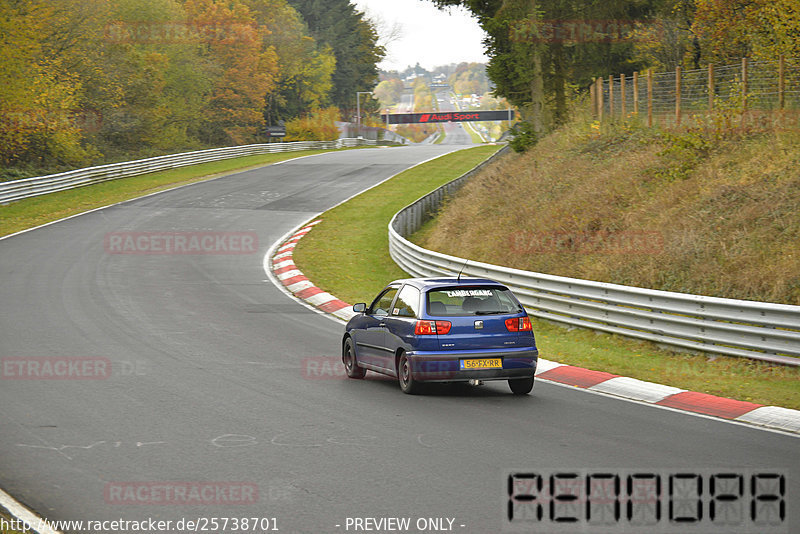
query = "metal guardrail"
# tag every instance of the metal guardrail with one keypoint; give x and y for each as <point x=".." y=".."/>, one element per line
<point x="42" y="185"/>
<point x="756" y="330"/>
<point x="353" y="130"/>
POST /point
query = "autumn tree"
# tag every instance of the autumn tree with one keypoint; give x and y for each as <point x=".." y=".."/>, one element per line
<point x="305" y="68"/>
<point x="39" y="95"/>
<point x="470" y="78"/>
<point x="762" y="29"/>
<point x="242" y="69"/>
<point x="389" y="92"/>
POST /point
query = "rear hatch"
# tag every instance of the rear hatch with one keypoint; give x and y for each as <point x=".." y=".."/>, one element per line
<point x="477" y="315"/>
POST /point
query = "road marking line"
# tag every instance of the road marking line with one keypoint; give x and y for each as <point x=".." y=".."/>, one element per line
<point x="36" y="523"/>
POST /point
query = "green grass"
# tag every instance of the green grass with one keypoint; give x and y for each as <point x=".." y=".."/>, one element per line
<point x="35" y="211"/>
<point x="347" y="255"/>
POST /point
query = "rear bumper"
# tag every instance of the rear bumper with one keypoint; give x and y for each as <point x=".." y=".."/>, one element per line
<point x="445" y="366"/>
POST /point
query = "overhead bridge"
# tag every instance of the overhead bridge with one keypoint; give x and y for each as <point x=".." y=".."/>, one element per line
<point x="449" y="116"/>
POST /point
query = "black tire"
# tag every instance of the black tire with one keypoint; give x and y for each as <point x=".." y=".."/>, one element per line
<point x="349" y="360"/>
<point x="521" y="386"/>
<point x="407" y="383"/>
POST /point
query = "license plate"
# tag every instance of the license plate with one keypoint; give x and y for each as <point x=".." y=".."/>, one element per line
<point x="483" y="363"/>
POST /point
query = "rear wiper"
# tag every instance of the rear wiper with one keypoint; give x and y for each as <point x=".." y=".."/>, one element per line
<point x="489" y="312"/>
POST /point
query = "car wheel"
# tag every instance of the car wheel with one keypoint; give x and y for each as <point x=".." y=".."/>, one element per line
<point x="349" y="359"/>
<point x="521" y="386"/>
<point x="407" y="382"/>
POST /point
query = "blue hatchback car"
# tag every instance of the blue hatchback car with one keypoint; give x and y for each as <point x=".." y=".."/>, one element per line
<point x="442" y="330"/>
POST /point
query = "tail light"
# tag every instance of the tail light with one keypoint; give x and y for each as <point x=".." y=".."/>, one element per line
<point x="427" y="328"/>
<point x="519" y="324"/>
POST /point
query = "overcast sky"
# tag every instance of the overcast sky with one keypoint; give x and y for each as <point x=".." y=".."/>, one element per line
<point x="428" y="36"/>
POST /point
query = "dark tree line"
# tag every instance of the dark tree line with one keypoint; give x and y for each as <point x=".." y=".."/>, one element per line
<point x="354" y="43"/>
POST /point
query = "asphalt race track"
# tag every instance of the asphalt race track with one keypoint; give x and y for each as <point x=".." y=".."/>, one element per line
<point x="455" y="132"/>
<point x="218" y="379"/>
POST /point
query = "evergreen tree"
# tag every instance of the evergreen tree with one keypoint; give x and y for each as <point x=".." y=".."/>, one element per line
<point x="354" y="43"/>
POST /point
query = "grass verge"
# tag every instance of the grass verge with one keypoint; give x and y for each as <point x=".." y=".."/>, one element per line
<point x="35" y="211"/>
<point x="347" y="255"/>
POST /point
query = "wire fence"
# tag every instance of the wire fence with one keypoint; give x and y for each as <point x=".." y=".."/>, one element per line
<point x="752" y="94"/>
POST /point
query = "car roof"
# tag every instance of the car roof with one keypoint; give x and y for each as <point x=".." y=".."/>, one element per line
<point x="426" y="284"/>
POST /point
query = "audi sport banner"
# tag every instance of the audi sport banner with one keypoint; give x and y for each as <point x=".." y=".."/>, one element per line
<point x="449" y="116"/>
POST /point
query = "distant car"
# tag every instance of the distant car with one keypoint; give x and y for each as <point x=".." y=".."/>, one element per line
<point x="442" y="330"/>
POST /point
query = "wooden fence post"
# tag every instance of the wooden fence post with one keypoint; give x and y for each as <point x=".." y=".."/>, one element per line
<point x="710" y="87"/>
<point x="593" y="97"/>
<point x="622" y="93"/>
<point x="744" y="91"/>
<point x="781" y="82"/>
<point x="611" y="97"/>
<point x="599" y="92"/>
<point x="636" y="93"/>
<point x="678" y="96"/>
<point x="649" y="98"/>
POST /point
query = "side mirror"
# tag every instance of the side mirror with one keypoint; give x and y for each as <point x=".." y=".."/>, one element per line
<point x="360" y="307"/>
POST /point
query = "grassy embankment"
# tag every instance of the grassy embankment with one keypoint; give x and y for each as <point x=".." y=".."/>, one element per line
<point x="685" y="213"/>
<point x="695" y="200"/>
<point x="34" y="211"/>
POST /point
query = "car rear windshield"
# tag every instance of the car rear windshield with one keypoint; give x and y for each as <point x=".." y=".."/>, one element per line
<point x="476" y="300"/>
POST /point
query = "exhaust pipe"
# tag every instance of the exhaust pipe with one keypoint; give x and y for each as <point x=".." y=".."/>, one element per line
<point x="475" y="382"/>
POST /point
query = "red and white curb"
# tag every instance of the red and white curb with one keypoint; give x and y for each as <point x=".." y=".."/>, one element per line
<point x="772" y="417"/>
<point x="295" y="281"/>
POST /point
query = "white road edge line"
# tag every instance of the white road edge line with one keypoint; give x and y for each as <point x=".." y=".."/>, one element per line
<point x="676" y="410"/>
<point x="36" y="523"/>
